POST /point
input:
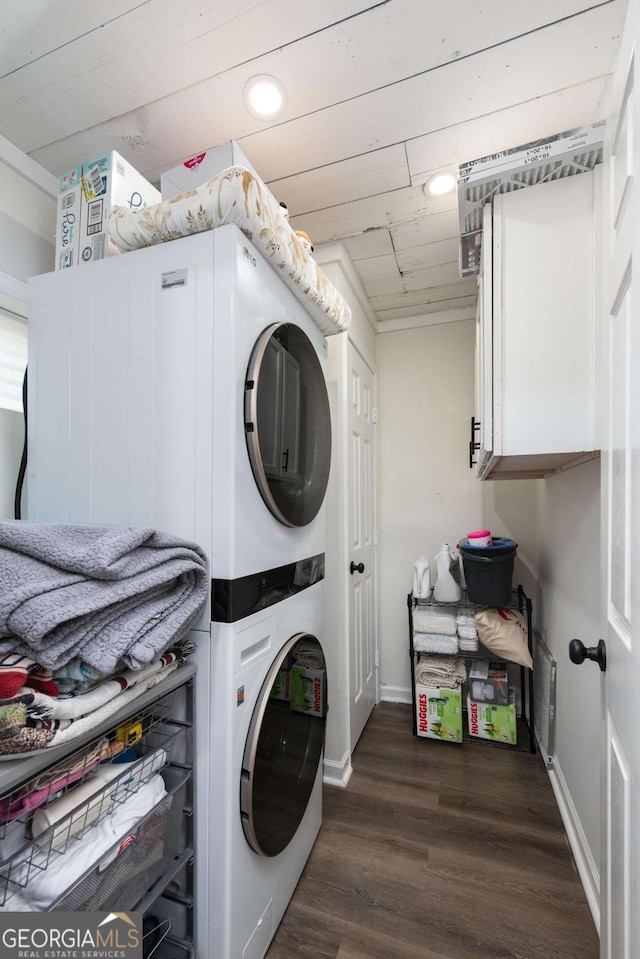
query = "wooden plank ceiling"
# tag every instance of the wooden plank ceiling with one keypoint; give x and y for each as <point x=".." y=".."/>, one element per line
<point x="380" y="96"/>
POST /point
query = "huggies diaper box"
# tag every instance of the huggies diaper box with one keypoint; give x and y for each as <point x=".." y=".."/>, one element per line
<point x="489" y="721"/>
<point x="281" y="688"/>
<point x="439" y="713"/>
<point x="308" y="690"/>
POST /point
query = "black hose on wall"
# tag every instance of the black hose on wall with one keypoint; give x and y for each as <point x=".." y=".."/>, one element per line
<point x="17" y="508"/>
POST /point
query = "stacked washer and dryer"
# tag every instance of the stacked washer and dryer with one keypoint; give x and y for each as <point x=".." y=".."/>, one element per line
<point x="182" y="387"/>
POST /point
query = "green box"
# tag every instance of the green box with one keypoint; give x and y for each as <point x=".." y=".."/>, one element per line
<point x="307" y="690"/>
<point x="497" y="723"/>
<point x="439" y="713"/>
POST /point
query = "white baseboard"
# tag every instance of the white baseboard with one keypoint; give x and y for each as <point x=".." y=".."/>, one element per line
<point x="395" y="694"/>
<point x="337" y="772"/>
<point x="585" y="864"/>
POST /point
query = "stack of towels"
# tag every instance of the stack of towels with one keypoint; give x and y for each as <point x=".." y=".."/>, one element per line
<point x="435" y="630"/>
<point x="97" y="614"/>
<point x="31" y="720"/>
<point x="467" y="632"/>
<point x="441" y="672"/>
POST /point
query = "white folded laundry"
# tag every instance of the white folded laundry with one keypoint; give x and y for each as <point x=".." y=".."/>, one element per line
<point x="430" y="619"/>
<point x="14" y="902"/>
<point x="13" y="840"/>
<point x="85" y="802"/>
<point x="60" y="872"/>
<point x="85" y="809"/>
<point x="435" y="643"/>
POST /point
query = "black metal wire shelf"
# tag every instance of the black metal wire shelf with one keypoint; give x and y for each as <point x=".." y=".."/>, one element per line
<point x="519" y="601"/>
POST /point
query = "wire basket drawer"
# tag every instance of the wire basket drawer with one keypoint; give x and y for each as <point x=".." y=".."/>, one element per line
<point x="141" y="857"/>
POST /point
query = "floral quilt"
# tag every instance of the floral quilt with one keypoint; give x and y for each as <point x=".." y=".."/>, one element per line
<point x="236" y="196"/>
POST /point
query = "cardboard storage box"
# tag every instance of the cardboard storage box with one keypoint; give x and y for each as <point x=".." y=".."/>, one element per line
<point x="281" y="688"/>
<point x="108" y="181"/>
<point x="68" y="218"/>
<point x="489" y="682"/>
<point x="488" y="721"/>
<point x="198" y="169"/>
<point x="439" y="713"/>
<point x="308" y="690"/>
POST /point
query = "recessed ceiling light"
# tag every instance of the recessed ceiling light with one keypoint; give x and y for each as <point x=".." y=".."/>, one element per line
<point x="265" y="97"/>
<point x="440" y="184"/>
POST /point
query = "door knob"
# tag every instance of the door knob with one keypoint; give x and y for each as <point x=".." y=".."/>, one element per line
<point x="578" y="652"/>
<point x="356" y="567"/>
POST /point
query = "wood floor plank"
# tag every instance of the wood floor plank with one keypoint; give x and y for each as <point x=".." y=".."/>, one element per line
<point x="436" y="851"/>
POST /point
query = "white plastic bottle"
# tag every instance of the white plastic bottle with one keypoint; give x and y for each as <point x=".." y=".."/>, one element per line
<point x="446" y="590"/>
<point x="421" y="579"/>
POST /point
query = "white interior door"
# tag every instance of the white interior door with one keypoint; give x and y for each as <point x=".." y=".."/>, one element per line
<point x="362" y="555"/>
<point x="620" y="892"/>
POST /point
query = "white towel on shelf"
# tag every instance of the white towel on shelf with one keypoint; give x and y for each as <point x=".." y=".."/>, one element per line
<point x="430" y="619"/>
<point x="468" y="645"/>
<point x="435" y="643"/>
<point x="467" y="631"/>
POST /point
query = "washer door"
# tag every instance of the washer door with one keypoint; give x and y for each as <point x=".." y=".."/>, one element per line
<point x="283" y="749"/>
<point x="288" y="423"/>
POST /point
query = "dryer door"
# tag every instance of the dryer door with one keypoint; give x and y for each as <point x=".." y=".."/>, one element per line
<point x="284" y="746"/>
<point x="288" y="423"/>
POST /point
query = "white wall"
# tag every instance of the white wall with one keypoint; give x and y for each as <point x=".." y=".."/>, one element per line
<point x="11" y="439"/>
<point x="569" y="601"/>
<point x="428" y="494"/>
<point x="27" y="236"/>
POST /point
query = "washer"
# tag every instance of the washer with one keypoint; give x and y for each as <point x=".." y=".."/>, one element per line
<point x="182" y="387"/>
<point x="264" y="786"/>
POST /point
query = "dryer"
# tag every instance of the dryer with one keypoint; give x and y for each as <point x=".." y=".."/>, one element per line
<point x="182" y="386"/>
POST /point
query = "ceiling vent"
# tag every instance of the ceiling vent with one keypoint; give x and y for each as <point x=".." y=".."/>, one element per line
<point x="562" y="155"/>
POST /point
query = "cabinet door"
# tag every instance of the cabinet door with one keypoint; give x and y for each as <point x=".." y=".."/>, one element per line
<point x="484" y="345"/>
<point x="538" y="376"/>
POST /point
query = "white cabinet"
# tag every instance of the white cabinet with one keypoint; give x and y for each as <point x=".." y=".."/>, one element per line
<point x="535" y="343"/>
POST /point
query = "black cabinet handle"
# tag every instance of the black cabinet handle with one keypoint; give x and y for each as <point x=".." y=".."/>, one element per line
<point x="473" y="446"/>
<point x="578" y="652"/>
<point x="356" y="567"/>
<point x="285" y="465"/>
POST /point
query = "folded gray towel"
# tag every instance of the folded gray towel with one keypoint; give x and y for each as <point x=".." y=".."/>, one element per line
<point x="108" y="594"/>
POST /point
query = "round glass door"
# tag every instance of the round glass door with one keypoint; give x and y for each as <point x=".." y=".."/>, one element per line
<point x="288" y="423"/>
<point x="284" y="746"/>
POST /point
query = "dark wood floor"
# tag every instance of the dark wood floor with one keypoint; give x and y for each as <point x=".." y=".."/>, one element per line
<point x="438" y="851"/>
